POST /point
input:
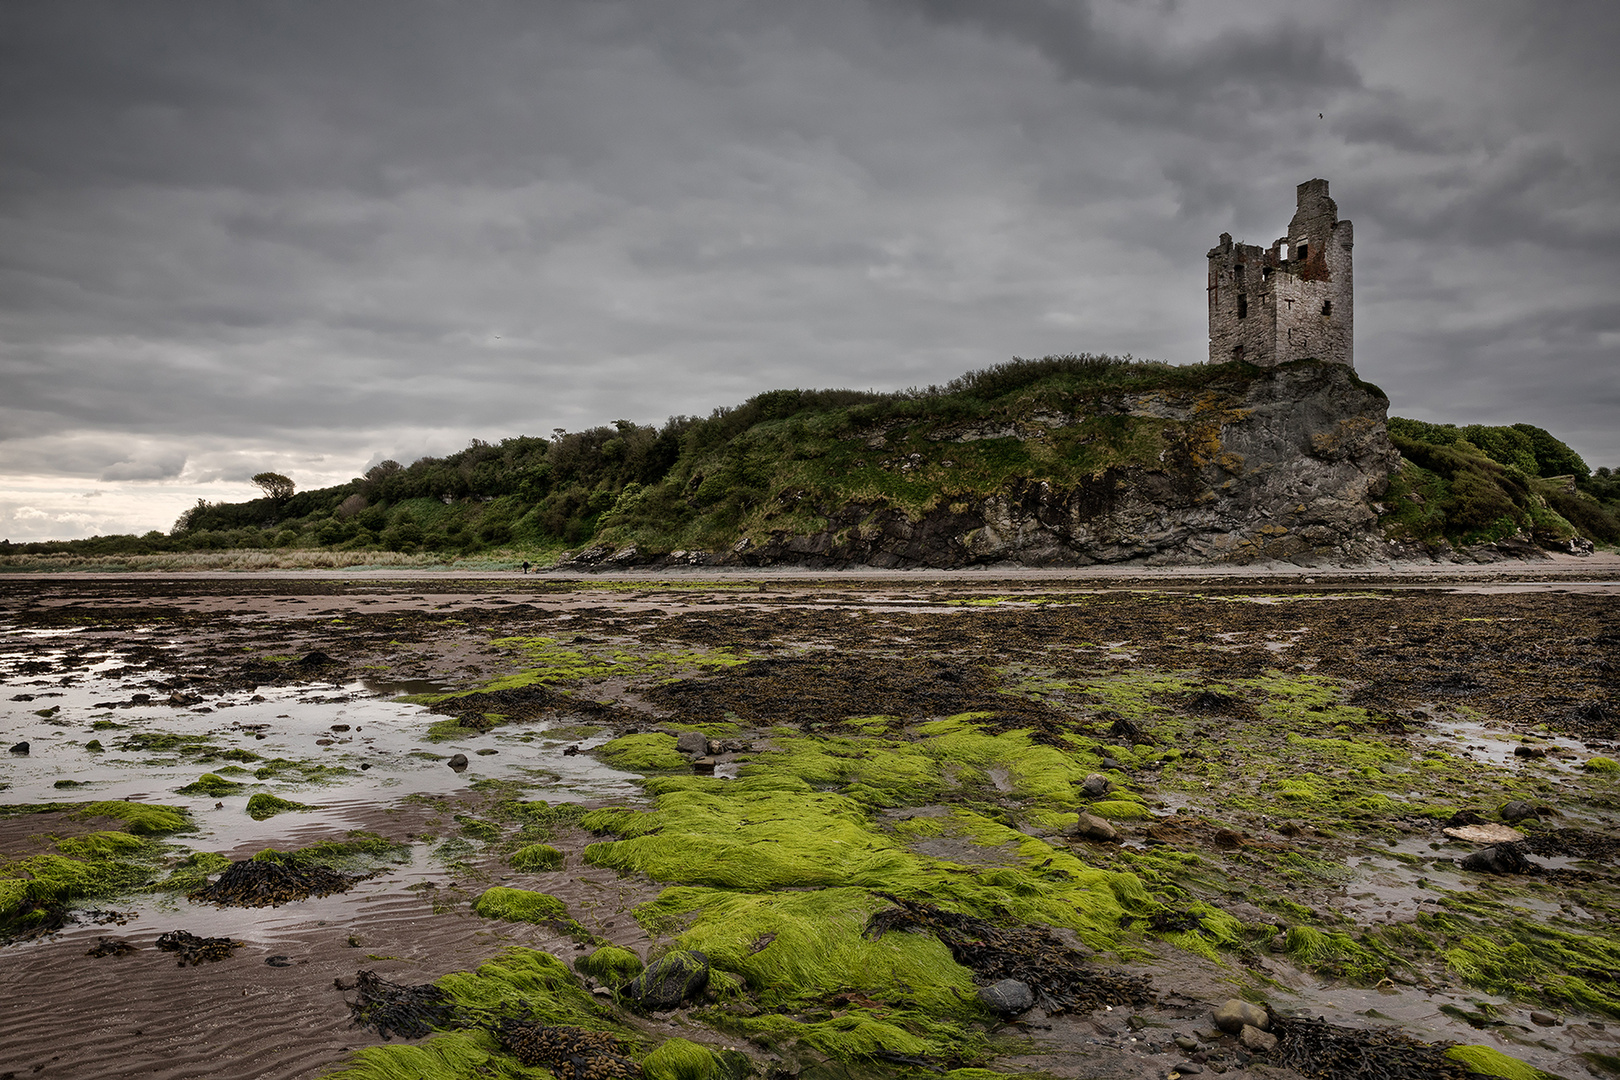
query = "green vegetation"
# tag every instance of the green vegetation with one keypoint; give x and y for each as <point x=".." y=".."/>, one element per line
<point x="533" y="858"/>
<point x="780" y="461"/>
<point x="650" y="752"/>
<point x="1481" y="483"/>
<point x="610" y="965"/>
<point x="212" y="785"/>
<point x="680" y="1059"/>
<point x="34" y="891"/>
<point x="360" y="851"/>
<point x="262" y="805"/>
<point x="519" y="905"/>
<point x="520" y="983"/>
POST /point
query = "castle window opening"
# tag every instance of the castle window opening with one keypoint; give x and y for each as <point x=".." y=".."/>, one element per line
<point x="1327" y="309"/>
<point x="1237" y="353"/>
<point x="1243" y="306"/>
<point x="1303" y="248"/>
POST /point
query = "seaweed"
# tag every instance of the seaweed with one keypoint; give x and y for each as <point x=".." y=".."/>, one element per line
<point x="1059" y="976"/>
<point x="391" y="1008"/>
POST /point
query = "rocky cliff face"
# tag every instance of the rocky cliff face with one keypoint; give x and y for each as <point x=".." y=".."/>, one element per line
<point x="1282" y="465"/>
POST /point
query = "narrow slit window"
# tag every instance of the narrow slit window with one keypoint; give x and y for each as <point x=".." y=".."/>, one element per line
<point x="1237" y="353"/>
<point x="1327" y="309"/>
<point x="1243" y="306"/>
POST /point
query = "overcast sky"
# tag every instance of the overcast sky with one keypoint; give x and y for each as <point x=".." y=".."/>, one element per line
<point x="305" y="237"/>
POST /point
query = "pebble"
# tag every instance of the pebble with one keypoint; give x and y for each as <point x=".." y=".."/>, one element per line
<point x="1187" y="1043"/>
<point x="1541" y="1019"/>
<point x="458" y="762"/>
<point x="1096" y="784"/>
<point x="1092" y="827"/>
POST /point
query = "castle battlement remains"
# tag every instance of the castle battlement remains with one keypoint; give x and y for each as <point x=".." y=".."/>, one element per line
<point x="1291" y="301"/>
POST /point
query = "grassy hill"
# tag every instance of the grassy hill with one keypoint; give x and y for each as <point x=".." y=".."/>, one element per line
<point x="785" y="461"/>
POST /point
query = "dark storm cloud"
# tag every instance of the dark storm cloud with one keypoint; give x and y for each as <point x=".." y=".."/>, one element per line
<point x="264" y="235"/>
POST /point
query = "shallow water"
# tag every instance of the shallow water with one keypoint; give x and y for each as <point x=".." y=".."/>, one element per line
<point x="379" y="743"/>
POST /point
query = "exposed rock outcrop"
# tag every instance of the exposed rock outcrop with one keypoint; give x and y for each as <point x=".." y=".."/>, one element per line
<point x="1285" y="464"/>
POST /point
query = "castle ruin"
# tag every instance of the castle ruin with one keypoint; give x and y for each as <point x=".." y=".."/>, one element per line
<point x="1289" y="302"/>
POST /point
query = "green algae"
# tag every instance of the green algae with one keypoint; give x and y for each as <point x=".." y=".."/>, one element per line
<point x="447" y="1056"/>
<point x="1119" y="810"/>
<point x="212" y="785"/>
<point x="359" y="852"/>
<point x="261" y="806"/>
<point x="773" y="832"/>
<point x="1488" y="1061"/>
<point x="532" y="858"/>
<point x="532" y="984"/>
<point x="139" y="819"/>
<point x="1602" y="764"/>
<point x="804" y="946"/>
<point x="1337" y="955"/>
<point x="309" y="772"/>
<point x="680" y="1059"/>
<point x="165" y="742"/>
<point x="34" y="890"/>
<point x="475" y="828"/>
<point x="649" y="752"/>
<point x="941" y="758"/>
<point x="519" y="905"/>
<point x="852" y="1038"/>
<point x="193" y="872"/>
<point x="519" y="983"/>
<point x="550" y="662"/>
<point x="610" y="965"/>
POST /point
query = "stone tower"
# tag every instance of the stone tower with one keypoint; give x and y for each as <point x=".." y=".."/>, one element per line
<point x="1289" y="302"/>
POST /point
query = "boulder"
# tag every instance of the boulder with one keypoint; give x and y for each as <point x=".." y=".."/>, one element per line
<point x="20" y="748"/>
<point x="670" y="980"/>
<point x="458" y="762"/>
<point x="1499" y="859"/>
<point x="1091" y="827"/>
<point x="1485" y="834"/>
<point x="1257" y="1041"/>
<point x="1009" y="997"/>
<point x="1096" y="784"/>
<point x="1236" y="1013"/>
<point x="692" y="743"/>
<point x="1516" y="810"/>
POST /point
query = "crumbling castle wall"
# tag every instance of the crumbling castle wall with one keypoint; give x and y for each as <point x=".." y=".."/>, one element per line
<point x="1292" y="301"/>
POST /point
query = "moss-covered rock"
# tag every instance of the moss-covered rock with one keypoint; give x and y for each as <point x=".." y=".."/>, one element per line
<point x="653" y="751"/>
<point x="610" y="965"/>
<point x="212" y="785"/>
<point x="680" y="1059"/>
<point x="519" y="905"/>
<point x="534" y="858"/>
<point x="262" y="805"/>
